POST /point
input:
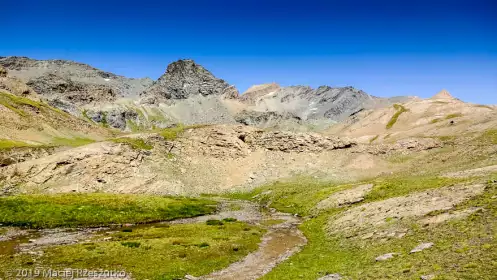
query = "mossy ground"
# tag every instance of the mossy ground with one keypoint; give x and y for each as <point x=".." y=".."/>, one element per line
<point x="399" y="111"/>
<point x="18" y="104"/>
<point x="464" y="249"/>
<point x="135" y="143"/>
<point x="54" y="142"/>
<point x="152" y="252"/>
<point x="173" y="132"/>
<point x="73" y="210"/>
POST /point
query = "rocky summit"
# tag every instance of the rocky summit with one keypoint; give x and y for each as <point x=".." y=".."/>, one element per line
<point x="185" y="78"/>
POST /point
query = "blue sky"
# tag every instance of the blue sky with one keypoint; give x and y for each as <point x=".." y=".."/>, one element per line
<point x="386" y="48"/>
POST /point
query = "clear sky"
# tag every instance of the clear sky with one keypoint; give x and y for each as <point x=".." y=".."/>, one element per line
<point x="386" y="48"/>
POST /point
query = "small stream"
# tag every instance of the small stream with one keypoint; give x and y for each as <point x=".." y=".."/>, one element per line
<point x="282" y="239"/>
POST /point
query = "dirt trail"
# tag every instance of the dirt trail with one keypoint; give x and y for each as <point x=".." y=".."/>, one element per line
<point x="281" y="241"/>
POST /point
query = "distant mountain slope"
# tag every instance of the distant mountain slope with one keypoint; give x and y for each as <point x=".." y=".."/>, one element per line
<point x="27" y="120"/>
<point x="72" y="81"/>
<point x="186" y="93"/>
<point x="441" y="115"/>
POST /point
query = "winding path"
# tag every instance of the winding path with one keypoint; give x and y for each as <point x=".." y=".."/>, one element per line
<point x="281" y="240"/>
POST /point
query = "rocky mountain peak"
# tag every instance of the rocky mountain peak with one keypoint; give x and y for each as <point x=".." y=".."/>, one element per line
<point x="184" y="78"/>
<point x="257" y="91"/>
<point x="443" y="94"/>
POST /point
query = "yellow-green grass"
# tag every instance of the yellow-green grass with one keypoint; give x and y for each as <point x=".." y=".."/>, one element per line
<point x="399" y="185"/>
<point x="297" y="195"/>
<point x="8" y="144"/>
<point x="489" y="136"/>
<point x="464" y="249"/>
<point x="173" y="132"/>
<point x="374" y="139"/>
<point x="89" y="210"/>
<point x="54" y="142"/>
<point x="152" y="252"/>
<point x="71" y="142"/>
<point x="17" y="104"/>
<point x="452" y="116"/>
<point x="399" y="111"/>
<point x="135" y="143"/>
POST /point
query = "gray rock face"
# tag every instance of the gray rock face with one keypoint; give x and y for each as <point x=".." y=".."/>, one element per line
<point x="3" y="72"/>
<point x="75" y="82"/>
<point x="74" y="92"/>
<point x="116" y="117"/>
<point x="185" y="78"/>
<point x="65" y="106"/>
<point x="256" y="118"/>
<point x="324" y="102"/>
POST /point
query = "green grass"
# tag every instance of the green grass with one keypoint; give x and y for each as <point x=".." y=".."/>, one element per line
<point x="452" y="116"/>
<point x="173" y="132"/>
<point x="399" y="185"/>
<point x="400" y="109"/>
<point x="17" y="103"/>
<point x="104" y="122"/>
<point x="72" y="210"/>
<point x="374" y="139"/>
<point x="156" y="115"/>
<point x="8" y="144"/>
<point x="448" y="117"/>
<point x="464" y="249"/>
<point x="54" y="142"/>
<point x="297" y="195"/>
<point x="71" y="142"/>
<point x="489" y="136"/>
<point x="85" y="115"/>
<point x="135" y="143"/>
<point x="152" y="252"/>
<point x="133" y="126"/>
<point x="214" y="223"/>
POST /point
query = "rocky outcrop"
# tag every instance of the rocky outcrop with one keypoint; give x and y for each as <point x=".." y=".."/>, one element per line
<point x="22" y="154"/>
<point x="239" y="141"/>
<point x="83" y="169"/>
<point x="65" y="106"/>
<point x="254" y="93"/>
<point x="3" y="72"/>
<point x="379" y="219"/>
<point x="16" y="87"/>
<point x="116" y="117"/>
<point x="185" y="78"/>
<point x="75" y="82"/>
<point x="285" y="141"/>
<point x="75" y="92"/>
<point x="264" y="119"/>
<point x="403" y="146"/>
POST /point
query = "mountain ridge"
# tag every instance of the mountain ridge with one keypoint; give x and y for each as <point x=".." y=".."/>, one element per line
<point x="186" y="93"/>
